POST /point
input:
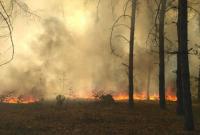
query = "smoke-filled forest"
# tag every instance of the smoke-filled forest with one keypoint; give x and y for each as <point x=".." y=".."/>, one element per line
<point x="104" y="67"/>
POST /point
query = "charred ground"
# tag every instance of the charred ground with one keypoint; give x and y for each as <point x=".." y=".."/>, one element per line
<point x="87" y="118"/>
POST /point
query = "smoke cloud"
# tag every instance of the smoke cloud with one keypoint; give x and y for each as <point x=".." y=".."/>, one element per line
<point x="68" y="48"/>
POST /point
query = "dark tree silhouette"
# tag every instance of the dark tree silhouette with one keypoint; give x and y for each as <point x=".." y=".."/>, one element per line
<point x="185" y="73"/>
<point x="131" y="41"/>
<point x="179" y="93"/>
<point x="148" y="82"/>
<point x="198" y="96"/>
<point x="162" y="54"/>
<point x="159" y="39"/>
<point x="132" y="34"/>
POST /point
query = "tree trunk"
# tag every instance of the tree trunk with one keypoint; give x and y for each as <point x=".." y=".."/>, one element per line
<point x="148" y="82"/>
<point x="179" y="93"/>
<point x="162" y="54"/>
<point x="185" y="72"/>
<point x="132" y="34"/>
<point x="199" y="85"/>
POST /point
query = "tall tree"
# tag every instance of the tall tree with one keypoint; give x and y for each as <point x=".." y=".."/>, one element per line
<point x="198" y="95"/>
<point x="131" y="42"/>
<point x="162" y="53"/>
<point x="179" y="93"/>
<point x="185" y="73"/>
<point x="148" y="82"/>
<point x="131" y="49"/>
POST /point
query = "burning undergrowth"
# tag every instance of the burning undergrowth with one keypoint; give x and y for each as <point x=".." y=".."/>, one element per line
<point x="13" y="97"/>
<point x="170" y="95"/>
<point x="23" y="99"/>
<point x="32" y="97"/>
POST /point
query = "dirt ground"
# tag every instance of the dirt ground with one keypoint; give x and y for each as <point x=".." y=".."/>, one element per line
<point x="86" y="118"/>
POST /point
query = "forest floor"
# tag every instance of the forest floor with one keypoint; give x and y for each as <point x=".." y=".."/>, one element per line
<point x="84" y="118"/>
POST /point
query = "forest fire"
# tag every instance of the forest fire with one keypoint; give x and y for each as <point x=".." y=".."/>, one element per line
<point x="170" y="95"/>
<point x="11" y="98"/>
<point x="20" y="100"/>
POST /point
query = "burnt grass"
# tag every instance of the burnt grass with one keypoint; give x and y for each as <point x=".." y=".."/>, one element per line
<point x="87" y="118"/>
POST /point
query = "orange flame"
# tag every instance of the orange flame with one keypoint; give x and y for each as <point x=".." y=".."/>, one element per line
<point x="170" y="96"/>
<point x="21" y="100"/>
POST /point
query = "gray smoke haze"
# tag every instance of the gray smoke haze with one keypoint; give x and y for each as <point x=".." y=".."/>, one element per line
<point x="68" y="48"/>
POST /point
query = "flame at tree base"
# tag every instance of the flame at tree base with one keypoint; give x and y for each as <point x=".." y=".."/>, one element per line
<point x="143" y="97"/>
<point x="170" y="96"/>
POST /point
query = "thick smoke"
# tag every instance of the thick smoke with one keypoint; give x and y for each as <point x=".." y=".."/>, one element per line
<point x="57" y="54"/>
